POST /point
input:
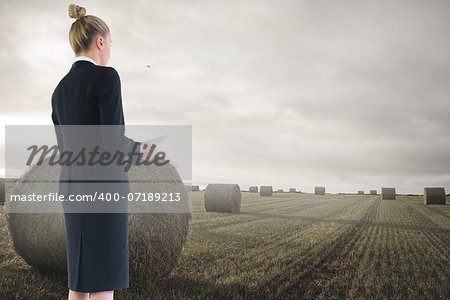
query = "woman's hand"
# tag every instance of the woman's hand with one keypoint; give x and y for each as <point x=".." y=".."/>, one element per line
<point x="147" y="151"/>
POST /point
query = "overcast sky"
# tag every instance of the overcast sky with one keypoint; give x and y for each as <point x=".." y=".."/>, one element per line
<point x="350" y="95"/>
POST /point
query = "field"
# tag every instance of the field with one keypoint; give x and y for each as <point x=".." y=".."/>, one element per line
<point x="288" y="246"/>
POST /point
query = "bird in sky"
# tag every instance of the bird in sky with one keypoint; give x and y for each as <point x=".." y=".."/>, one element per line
<point x="148" y="66"/>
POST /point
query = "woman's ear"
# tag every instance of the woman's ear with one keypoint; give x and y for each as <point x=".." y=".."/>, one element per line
<point x="99" y="42"/>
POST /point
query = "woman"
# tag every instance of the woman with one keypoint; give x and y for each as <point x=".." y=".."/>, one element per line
<point x="90" y="94"/>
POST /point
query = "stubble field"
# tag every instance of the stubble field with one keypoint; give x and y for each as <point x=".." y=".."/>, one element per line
<point x="288" y="246"/>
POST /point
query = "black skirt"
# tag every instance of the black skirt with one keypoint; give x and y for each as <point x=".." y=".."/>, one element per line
<point x="97" y="251"/>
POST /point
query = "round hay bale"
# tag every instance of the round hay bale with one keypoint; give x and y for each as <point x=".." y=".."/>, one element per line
<point x="319" y="190"/>
<point x="155" y="239"/>
<point x="265" y="190"/>
<point x="373" y="192"/>
<point x="195" y="188"/>
<point x="280" y="191"/>
<point x="40" y="239"/>
<point x="434" y="195"/>
<point x="222" y="197"/>
<point x="253" y="189"/>
<point x="292" y="190"/>
<point x="387" y="193"/>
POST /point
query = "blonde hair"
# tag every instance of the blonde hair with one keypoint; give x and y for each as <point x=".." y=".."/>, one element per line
<point x="84" y="29"/>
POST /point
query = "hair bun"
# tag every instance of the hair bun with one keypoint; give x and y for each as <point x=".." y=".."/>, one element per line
<point x="76" y="11"/>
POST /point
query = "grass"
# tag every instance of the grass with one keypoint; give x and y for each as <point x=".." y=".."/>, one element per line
<point x="288" y="246"/>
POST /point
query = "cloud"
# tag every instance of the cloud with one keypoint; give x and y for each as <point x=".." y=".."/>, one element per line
<point x="297" y="92"/>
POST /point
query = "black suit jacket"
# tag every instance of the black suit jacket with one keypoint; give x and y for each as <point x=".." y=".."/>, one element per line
<point x="91" y="95"/>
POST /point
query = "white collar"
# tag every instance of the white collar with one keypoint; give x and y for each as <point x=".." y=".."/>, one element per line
<point x="85" y="58"/>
